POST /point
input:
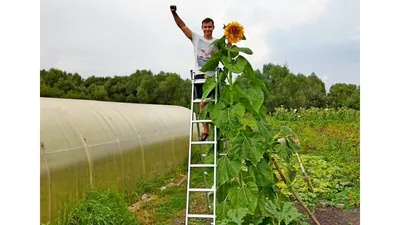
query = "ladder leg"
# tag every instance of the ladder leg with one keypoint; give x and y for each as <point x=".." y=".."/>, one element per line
<point x="190" y="155"/>
<point x="215" y="161"/>
<point x="204" y="169"/>
<point x="215" y="176"/>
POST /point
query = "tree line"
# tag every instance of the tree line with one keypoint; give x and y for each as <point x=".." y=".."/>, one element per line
<point x="285" y="89"/>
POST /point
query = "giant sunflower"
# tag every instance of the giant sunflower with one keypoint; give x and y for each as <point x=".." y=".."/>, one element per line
<point x="234" y="32"/>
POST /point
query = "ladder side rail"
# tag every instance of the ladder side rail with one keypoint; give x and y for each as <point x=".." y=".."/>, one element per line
<point x="190" y="152"/>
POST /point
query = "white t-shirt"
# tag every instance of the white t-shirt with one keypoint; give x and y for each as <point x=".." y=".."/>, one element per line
<point x="202" y="52"/>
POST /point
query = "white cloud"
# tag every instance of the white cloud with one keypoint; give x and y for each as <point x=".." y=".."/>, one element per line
<point x="325" y="78"/>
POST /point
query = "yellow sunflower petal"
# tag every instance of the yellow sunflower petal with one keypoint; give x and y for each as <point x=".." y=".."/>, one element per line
<point x="234" y="32"/>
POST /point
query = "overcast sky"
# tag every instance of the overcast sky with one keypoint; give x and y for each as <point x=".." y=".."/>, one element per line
<point x="108" y="38"/>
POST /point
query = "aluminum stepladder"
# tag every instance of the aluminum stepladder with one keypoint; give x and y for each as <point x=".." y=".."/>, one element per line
<point x="207" y="191"/>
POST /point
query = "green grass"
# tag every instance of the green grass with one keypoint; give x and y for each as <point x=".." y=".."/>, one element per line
<point x="169" y="208"/>
<point x="97" y="208"/>
<point x="108" y="207"/>
<point x="103" y="207"/>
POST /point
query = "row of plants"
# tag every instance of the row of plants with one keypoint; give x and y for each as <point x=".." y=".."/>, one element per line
<point x="319" y="115"/>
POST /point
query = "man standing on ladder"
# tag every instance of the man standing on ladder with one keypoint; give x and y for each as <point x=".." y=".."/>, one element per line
<point x="202" y="53"/>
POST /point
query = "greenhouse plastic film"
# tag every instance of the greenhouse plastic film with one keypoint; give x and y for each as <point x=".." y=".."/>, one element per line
<point x="93" y="144"/>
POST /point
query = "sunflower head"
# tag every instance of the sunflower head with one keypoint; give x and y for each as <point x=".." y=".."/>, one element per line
<point x="234" y="32"/>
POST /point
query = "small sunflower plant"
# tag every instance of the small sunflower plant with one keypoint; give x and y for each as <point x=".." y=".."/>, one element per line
<point x="247" y="190"/>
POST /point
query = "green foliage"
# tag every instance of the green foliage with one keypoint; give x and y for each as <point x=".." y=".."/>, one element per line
<point x="294" y="91"/>
<point x="165" y="205"/>
<point x="283" y="213"/>
<point x="247" y="191"/>
<point x="98" y="208"/>
<point x="330" y="147"/>
<point x="330" y="184"/>
<point x="227" y="169"/>
<point x="140" y="87"/>
<point x="344" y="95"/>
<point x="284" y="88"/>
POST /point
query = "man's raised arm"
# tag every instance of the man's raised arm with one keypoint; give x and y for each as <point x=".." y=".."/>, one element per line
<point x="180" y="23"/>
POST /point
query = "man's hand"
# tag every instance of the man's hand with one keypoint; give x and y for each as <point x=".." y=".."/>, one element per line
<point x="173" y="8"/>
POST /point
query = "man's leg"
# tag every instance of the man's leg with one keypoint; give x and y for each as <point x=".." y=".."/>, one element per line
<point x="205" y="125"/>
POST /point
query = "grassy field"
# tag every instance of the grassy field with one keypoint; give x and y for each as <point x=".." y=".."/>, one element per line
<point x="330" y="154"/>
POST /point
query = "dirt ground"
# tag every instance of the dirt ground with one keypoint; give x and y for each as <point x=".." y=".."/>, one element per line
<point x="324" y="215"/>
<point x="335" y="216"/>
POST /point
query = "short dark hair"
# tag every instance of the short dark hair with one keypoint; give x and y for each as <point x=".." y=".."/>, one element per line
<point x="207" y="20"/>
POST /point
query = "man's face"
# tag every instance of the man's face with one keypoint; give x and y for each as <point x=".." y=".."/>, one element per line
<point x="207" y="28"/>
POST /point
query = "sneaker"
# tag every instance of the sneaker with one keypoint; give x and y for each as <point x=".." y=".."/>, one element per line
<point x="203" y="137"/>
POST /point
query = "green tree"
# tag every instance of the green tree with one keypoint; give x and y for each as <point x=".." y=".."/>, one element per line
<point x="315" y="92"/>
<point x="98" y="92"/>
<point x="95" y="80"/>
<point x="273" y="77"/>
<point x="64" y="85"/>
<point x="289" y="90"/>
<point x="344" y="95"/>
<point x="47" y="91"/>
<point x="146" y="90"/>
<point x="52" y="76"/>
<point x="168" y="90"/>
<point x="283" y="88"/>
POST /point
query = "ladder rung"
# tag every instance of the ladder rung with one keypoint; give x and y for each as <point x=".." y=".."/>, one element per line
<point x="201" y="121"/>
<point x="202" y="165"/>
<point x="198" y="100"/>
<point x="202" y="189"/>
<point x="203" y="142"/>
<point x="200" y="216"/>
<point x="199" y="81"/>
